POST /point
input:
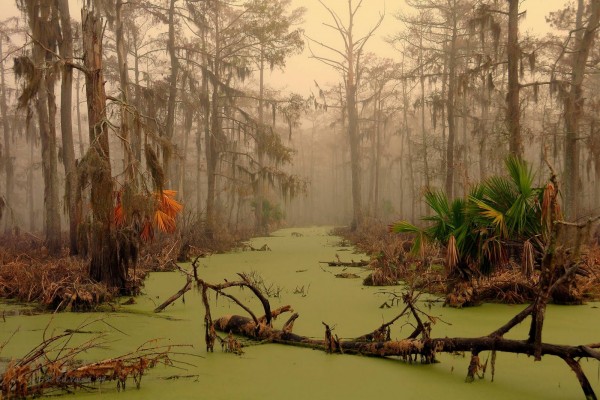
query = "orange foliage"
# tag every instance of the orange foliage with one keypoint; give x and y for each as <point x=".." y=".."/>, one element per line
<point x="163" y="218"/>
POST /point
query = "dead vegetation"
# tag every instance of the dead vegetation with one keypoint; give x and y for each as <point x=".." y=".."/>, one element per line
<point x="28" y="274"/>
<point x="62" y="283"/>
<point x="54" y="366"/>
<point x="418" y="346"/>
<point x="392" y="262"/>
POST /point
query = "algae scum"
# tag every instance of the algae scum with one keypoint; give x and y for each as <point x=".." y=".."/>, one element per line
<point x="292" y="275"/>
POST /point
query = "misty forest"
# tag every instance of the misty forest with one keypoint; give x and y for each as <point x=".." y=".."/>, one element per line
<point x="173" y="180"/>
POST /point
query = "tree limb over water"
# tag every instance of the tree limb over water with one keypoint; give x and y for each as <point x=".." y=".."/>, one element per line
<point x="559" y="263"/>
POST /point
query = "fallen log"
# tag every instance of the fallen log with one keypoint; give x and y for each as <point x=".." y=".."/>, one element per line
<point x="419" y="346"/>
<point x="413" y="349"/>
<point x="361" y="263"/>
<point x="181" y="292"/>
<point x="425" y="348"/>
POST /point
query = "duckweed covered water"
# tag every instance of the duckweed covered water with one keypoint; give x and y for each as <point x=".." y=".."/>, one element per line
<point x="294" y="276"/>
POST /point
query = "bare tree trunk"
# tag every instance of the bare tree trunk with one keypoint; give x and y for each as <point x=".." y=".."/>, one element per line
<point x="172" y="94"/>
<point x="485" y="102"/>
<point x="78" y="111"/>
<point x="199" y="130"/>
<point x="513" y="113"/>
<point x="104" y="266"/>
<point x="66" y="106"/>
<point x="423" y="133"/>
<point x="412" y="200"/>
<point x="353" y="132"/>
<point x="450" y="167"/>
<point x="444" y="166"/>
<point x="30" y="196"/>
<point x="124" y="85"/>
<point x="377" y="156"/>
<point x="260" y="224"/>
<point x="136" y="140"/>
<point x="46" y="108"/>
<point x="212" y="139"/>
<point x="573" y="109"/>
<point x="188" y="122"/>
<point x="8" y="166"/>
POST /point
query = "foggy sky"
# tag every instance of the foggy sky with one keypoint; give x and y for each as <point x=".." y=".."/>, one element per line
<point x="301" y="71"/>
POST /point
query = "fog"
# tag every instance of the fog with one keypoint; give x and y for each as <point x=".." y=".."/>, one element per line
<point x="272" y="113"/>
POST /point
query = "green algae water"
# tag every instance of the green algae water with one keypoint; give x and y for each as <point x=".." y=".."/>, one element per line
<point x="293" y="275"/>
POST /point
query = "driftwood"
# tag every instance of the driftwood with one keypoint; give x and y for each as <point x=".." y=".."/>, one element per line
<point x="181" y="292"/>
<point x="361" y="263"/>
<point x="418" y="346"/>
<point x="248" y="247"/>
<point x="54" y="365"/>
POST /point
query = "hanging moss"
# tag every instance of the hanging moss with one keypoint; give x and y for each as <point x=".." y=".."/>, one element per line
<point x="156" y="171"/>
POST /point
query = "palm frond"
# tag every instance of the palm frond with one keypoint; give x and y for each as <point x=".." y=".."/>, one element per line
<point x="495" y="217"/>
<point x="420" y="235"/>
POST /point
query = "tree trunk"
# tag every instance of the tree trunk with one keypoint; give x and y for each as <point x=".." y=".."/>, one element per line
<point x="407" y="153"/>
<point x="30" y="195"/>
<point x="66" y="105"/>
<point x="450" y="167"/>
<point x="78" y="112"/>
<point x="128" y="168"/>
<point x="212" y="139"/>
<point x="46" y="109"/>
<point x="260" y="224"/>
<point x="170" y="125"/>
<point x="376" y="204"/>
<point x="104" y="266"/>
<point x="423" y="132"/>
<point x="8" y="166"/>
<point x="573" y="109"/>
<point x="136" y="140"/>
<point x="513" y="113"/>
<point x="199" y="130"/>
<point x="485" y="103"/>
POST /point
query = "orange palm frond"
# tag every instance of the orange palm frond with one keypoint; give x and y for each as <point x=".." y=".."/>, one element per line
<point x="119" y="215"/>
<point x="168" y="204"/>
<point x="147" y="232"/>
<point x="164" y="222"/>
<point x="169" y="192"/>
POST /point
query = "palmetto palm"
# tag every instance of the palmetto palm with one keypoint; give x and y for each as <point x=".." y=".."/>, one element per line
<point x="501" y="213"/>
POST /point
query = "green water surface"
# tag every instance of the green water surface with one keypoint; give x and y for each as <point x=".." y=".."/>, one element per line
<point x="271" y="371"/>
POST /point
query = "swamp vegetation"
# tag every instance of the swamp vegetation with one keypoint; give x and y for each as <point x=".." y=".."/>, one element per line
<point x="187" y="140"/>
<point x="291" y="274"/>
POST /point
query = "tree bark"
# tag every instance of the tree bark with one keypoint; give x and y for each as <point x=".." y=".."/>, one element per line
<point x="124" y="84"/>
<point x="66" y="123"/>
<point x="39" y="16"/>
<point x="353" y="134"/>
<point x="170" y="125"/>
<point x="8" y="165"/>
<point x="212" y="139"/>
<point x="450" y="106"/>
<point x="513" y="112"/>
<point x="104" y="266"/>
<point x="573" y="109"/>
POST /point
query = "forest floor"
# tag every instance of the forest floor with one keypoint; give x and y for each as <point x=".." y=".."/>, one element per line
<point x="392" y="262"/>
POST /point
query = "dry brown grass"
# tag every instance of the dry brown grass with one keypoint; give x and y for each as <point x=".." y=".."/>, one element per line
<point x="55" y="283"/>
<point x="392" y="262"/>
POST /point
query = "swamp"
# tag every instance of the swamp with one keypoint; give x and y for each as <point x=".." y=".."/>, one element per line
<point x="272" y="371"/>
<point x="244" y="199"/>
